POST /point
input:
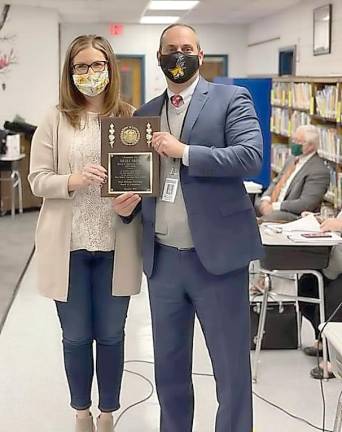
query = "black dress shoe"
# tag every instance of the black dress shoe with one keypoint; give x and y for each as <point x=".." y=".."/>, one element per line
<point x="317" y="373"/>
<point x="312" y="351"/>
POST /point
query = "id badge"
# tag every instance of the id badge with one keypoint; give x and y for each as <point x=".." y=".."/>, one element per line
<point x="170" y="190"/>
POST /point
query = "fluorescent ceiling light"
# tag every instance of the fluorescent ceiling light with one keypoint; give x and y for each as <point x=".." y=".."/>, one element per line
<point x="159" y="19"/>
<point x="172" y="5"/>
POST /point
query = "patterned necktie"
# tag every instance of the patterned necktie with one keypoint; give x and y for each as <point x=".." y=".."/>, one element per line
<point x="177" y="101"/>
<point x="283" y="179"/>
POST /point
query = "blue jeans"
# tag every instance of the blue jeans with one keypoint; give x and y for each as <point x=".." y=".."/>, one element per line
<point x="92" y="313"/>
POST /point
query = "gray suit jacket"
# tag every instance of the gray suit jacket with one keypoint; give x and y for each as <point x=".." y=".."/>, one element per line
<point x="307" y="189"/>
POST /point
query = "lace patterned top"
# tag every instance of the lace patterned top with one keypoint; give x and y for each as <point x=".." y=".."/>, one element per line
<point x="93" y="216"/>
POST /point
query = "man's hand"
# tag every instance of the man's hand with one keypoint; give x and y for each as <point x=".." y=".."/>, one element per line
<point x="265" y="208"/>
<point x="332" y="224"/>
<point x="167" y="145"/>
<point x="124" y="204"/>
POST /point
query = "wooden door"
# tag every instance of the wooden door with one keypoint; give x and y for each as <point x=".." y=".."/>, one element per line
<point x="214" y="66"/>
<point x="132" y="79"/>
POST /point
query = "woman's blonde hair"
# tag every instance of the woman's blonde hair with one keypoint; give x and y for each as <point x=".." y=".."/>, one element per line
<point x="71" y="101"/>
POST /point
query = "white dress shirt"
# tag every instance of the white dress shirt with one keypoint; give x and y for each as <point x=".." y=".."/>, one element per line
<point x="301" y="162"/>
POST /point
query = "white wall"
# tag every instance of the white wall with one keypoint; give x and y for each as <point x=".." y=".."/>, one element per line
<point x="144" y="40"/>
<point x="295" y="27"/>
<point x="31" y="83"/>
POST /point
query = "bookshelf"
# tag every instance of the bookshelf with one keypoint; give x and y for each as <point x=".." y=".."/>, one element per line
<point x="297" y="101"/>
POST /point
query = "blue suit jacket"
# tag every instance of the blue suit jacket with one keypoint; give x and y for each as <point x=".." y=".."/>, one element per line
<point x="225" y="141"/>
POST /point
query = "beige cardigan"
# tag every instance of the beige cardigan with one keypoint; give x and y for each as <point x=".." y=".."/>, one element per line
<point x="49" y="174"/>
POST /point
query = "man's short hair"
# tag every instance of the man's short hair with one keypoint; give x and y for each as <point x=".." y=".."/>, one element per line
<point x="311" y="134"/>
<point x="178" y="25"/>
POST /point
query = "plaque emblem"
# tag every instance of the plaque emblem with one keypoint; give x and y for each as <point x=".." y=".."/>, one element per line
<point x="130" y="135"/>
<point x="111" y="135"/>
<point x="149" y="136"/>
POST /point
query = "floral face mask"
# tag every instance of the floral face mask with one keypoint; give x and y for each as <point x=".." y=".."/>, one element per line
<point x="91" y="84"/>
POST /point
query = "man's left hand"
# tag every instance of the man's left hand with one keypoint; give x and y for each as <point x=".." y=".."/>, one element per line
<point x="266" y="208"/>
<point x="167" y="145"/>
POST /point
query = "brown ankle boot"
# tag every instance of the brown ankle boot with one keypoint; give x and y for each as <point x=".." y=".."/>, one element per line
<point x="105" y="424"/>
<point x="85" y="424"/>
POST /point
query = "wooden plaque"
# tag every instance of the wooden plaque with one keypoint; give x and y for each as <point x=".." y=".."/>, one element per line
<point x="128" y="156"/>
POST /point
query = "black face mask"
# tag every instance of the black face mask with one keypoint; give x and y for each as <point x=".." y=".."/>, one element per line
<point x="179" y="67"/>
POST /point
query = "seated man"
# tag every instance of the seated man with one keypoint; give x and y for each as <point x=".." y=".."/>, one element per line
<point x="301" y="184"/>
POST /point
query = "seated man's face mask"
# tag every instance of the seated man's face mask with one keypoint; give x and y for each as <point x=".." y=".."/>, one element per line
<point x="296" y="149"/>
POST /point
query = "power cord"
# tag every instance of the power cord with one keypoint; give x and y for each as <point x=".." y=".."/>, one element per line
<point x="307" y="422"/>
<point x="211" y="375"/>
<point x="139" y="402"/>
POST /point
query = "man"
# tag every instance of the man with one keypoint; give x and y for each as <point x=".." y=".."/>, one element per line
<point x="302" y="183"/>
<point x="200" y="234"/>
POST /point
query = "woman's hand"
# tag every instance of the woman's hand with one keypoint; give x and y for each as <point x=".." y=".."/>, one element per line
<point x="124" y="204"/>
<point x="332" y="224"/>
<point x="92" y="174"/>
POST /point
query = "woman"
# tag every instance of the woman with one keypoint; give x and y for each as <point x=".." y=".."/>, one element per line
<point x="77" y="230"/>
<point x="308" y="287"/>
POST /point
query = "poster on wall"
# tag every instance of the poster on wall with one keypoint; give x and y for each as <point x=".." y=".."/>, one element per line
<point x="7" y="53"/>
<point x="322" y="30"/>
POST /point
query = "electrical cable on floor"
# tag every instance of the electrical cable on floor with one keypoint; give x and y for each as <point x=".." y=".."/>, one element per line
<point x="303" y="420"/>
<point x="307" y="422"/>
<point x="139" y="402"/>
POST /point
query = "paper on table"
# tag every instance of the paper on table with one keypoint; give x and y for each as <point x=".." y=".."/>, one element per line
<point x="253" y="187"/>
<point x="306" y="224"/>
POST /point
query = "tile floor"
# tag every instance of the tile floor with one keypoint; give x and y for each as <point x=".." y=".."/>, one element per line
<point x="33" y="390"/>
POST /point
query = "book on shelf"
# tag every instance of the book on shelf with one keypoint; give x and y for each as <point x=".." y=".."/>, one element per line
<point x="279" y="155"/>
<point x="301" y="94"/>
<point x="327" y="102"/>
<point x="332" y="190"/>
<point x="280" y="93"/>
<point x="280" y="123"/>
<point x="299" y="118"/>
<point x="338" y="202"/>
<point x="330" y="144"/>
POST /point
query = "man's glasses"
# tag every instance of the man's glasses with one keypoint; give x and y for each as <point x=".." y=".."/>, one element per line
<point x="83" y="68"/>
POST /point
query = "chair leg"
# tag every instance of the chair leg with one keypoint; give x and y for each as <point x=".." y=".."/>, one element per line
<point x="261" y="328"/>
<point x="20" y="193"/>
<point x="298" y="314"/>
<point x="13" y="186"/>
<point x="299" y="326"/>
<point x="322" y="319"/>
